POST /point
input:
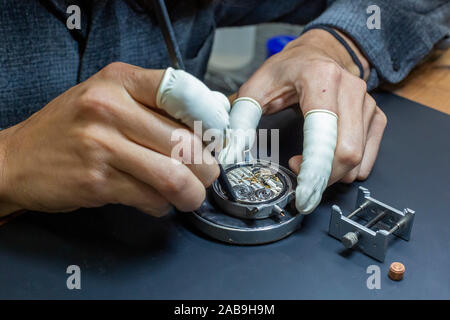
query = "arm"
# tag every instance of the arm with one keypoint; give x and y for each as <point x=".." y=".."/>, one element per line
<point x="408" y="31"/>
<point x="343" y="125"/>
<point x="108" y="140"/>
<point x="409" y="28"/>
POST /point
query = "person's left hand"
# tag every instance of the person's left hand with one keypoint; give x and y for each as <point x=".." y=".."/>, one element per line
<point x="343" y="125"/>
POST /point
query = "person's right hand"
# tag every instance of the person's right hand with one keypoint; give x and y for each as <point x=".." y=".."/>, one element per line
<point x="100" y="143"/>
<point x="343" y="125"/>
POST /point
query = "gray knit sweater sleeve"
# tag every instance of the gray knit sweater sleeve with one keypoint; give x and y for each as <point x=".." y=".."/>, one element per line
<point x="408" y="30"/>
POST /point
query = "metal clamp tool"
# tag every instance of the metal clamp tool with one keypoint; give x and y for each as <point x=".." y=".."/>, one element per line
<point x="380" y="222"/>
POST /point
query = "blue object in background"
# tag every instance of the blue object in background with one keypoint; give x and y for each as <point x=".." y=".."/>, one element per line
<point x="277" y="43"/>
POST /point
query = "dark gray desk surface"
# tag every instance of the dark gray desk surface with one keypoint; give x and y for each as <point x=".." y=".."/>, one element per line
<point x="125" y="254"/>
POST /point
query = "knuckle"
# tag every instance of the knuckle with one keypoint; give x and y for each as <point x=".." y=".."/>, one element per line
<point x="381" y="117"/>
<point x="370" y="106"/>
<point x="212" y="176"/>
<point x="195" y="202"/>
<point x="290" y="45"/>
<point x="349" y="154"/>
<point x="359" y="85"/>
<point x="153" y="212"/>
<point x="328" y="69"/>
<point x="95" y="181"/>
<point x="158" y="211"/>
<point x="176" y="181"/>
<point x="114" y="69"/>
<point x="183" y="190"/>
<point x="350" y="177"/>
<point x="95" y="103"/>
<point x="163" y="209"/>
<point x="183" y="144"/>
<point x="87" y="141"/>
<point x="363" y="175"/>
<point x="370" y="100"/>
<point x="96" y="172"/>
<point x="93" y="144"/>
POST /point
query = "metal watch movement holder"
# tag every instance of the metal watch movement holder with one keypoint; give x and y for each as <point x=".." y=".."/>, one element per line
<point x="264" y="211"/>
<point x="380" y="222"/>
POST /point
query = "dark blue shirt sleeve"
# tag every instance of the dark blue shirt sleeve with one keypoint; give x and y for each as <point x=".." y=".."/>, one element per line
<point x="238" y="13"/>
<point x="408" y="28"/>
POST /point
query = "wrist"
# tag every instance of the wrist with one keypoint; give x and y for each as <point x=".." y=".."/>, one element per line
<point x="6" y="207"/>
<point x="333" y="48"/>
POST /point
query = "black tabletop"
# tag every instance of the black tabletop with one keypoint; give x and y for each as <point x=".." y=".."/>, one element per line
<point x="123" y="253"/>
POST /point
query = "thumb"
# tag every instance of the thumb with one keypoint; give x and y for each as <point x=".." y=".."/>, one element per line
<point x="319" y="143"/>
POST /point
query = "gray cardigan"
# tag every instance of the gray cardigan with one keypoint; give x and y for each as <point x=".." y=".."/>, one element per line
<point x="40" y="58"/>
